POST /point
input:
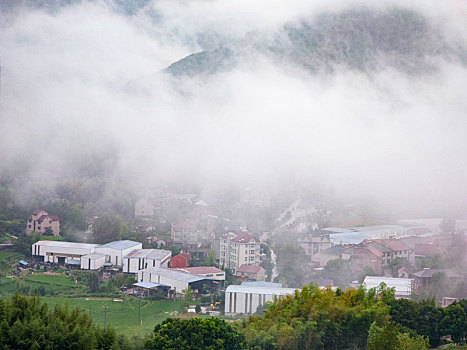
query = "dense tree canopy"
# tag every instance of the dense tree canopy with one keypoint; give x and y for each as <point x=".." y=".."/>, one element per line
<point x="195" y="333"/>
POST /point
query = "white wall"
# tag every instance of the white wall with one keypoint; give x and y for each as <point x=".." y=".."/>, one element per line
<point x="146" y="276"/>
<point x="244" y="303"/>
<point x="115" y="256"/>
<point x="51" y="253"/>
<point x="96" y="264"/>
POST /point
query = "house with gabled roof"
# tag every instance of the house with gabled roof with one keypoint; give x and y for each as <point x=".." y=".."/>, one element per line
<point x="39" y="221"/>
<point x="140" y="259"/>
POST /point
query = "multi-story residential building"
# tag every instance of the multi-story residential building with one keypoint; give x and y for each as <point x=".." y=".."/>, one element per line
<point x="239" y="248"/>
<point x="315" y="242"/>
<point x="185" y="233"/>
<point x="39" y="221"/>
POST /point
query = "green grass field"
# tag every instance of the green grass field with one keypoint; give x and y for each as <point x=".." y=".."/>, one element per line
<point x="10" y="256"/>
<point x="51" y="283"/>
<point x="122" y="315"/>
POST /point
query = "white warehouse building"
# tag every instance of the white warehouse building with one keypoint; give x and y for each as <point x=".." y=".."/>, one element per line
<point x="117" y="250"/>
<point x="177" y="280"/>
<point x="245" y="299"/>
<point x="140" y="259"/>
<point x="92" y="261"/>
<point x="62" y="252"/>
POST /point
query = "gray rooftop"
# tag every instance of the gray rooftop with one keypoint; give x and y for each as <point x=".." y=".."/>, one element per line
<point x="261" y="284"/>
<point x="259" y="290"/>
<point x="120" y="245"/>
<point x="156" y="254"/>
<point x="62" y="244"/>
<point x="174" y="274"/>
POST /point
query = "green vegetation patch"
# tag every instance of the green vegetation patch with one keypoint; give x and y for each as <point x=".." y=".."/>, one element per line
<point x="122" y="315"/>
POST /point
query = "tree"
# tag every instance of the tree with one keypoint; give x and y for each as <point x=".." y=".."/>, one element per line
<point x="48" y="232"/>
<point x="448" y="225"/>
<point x="211" y="258"/>
<point x="290" y="259"/>
<point x="454" y="322"/>
<point x="93" y="282"/>
<point x="197" y="308"/>
<point x="108" y="227"/>
<point x="195" y="334"/>
<point x="24" y="243"/>
<point x="383" y="337"/>
<point x="339" y="271"/>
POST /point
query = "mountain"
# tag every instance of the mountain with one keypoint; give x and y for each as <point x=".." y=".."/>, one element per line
<point x="362" y="39"/>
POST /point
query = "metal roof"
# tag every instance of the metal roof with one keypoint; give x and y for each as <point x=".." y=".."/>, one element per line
<point x="149" y="285"/>
<point x="63" y="244"/>
<point x="156" y="254"/>
<point x="120" y="245"/>
<point x="261" y="284"/>
<point x="259" y="290"/>
<point x="174" y="274"/>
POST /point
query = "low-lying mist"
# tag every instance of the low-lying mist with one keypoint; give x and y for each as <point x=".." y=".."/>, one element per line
<point x="278" y="95"/>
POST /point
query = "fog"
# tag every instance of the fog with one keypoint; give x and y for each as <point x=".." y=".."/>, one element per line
<point x="87" y="80"/>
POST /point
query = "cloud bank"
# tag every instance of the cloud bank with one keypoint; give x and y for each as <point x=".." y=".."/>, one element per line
<point x="84" y="80"/>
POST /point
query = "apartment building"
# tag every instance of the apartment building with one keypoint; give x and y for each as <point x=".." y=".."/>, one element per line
<point x="239" y="248"/>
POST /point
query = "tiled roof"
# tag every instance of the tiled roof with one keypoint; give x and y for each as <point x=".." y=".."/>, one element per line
<point x="201" y="270"/>
<point x="243" y="237"/>
<point x="395" y="244"/>
<point x="53" y="217"/>
<point x="249" y="268"/>
<point x="428" y="273"/>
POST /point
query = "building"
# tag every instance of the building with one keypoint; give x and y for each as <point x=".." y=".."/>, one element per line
<point x="322" y="258"/>
<point x="398" y="249"/>
<point x="315" y="243"/>
<point x="61" y="252"/>
<point x="185" y="233"/>
<point x="140" y="259"/>
<point x="209" y="272"/>
<point x="402" y="286"/>
<point x="239" y="248"/>
<point x="144" y="208"/>
<point x="180" y="260"/>
<point x="39" y="221"/>
<point x="356" y="235"/>
<point x="245" y="299"/>
<point x="117" y="250"/>
<point x="368" y="254"/>
<point x="424" y="277"/>
<point x="177" y="280"/>
<point x="251" y="272"/>
<point x="92" y="261"/>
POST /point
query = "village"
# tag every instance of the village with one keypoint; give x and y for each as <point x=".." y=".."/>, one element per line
<point x="215" y="259"/>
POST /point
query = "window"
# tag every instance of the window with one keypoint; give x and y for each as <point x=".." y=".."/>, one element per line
<point x="246" y="252"/>
<point x="252" y="251"/>
<point x="252" y="258"/>
<point x="246" y="259"/>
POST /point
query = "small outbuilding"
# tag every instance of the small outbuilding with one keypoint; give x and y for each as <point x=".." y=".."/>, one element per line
<point x="92" y="261"/>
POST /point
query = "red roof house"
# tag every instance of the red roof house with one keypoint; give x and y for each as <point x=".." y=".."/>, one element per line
<point x="180" y="261"/>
